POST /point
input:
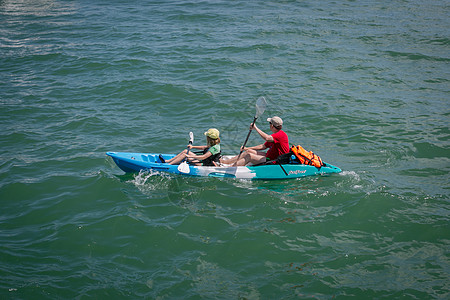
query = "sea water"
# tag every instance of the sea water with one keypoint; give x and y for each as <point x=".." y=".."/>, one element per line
<point x="363" y="84"/>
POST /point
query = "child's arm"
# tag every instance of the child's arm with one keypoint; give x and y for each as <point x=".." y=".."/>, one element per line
<point x="199" y="147"/>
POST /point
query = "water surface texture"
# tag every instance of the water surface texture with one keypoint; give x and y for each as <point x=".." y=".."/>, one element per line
<point x="364" y="84"/>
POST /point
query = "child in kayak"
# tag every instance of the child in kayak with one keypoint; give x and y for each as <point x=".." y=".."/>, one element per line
<point x="211" y="152"/>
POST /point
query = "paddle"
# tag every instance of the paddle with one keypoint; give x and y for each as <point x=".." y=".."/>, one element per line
<point x="184" y="167"/>
<point x="260" y="108"/>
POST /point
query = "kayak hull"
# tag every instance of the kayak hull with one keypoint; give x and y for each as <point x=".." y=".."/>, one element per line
<point x="134" y="162"/>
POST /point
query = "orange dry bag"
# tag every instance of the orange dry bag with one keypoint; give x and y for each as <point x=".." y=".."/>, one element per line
<point x="307" y="158"/>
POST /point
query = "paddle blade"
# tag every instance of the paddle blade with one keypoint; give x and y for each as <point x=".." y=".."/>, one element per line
<point x="261" y="105"/>
<point x="184" y="167"/>
<point x="191" y="138"/>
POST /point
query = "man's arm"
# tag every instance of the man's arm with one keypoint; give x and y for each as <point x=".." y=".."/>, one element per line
<point x="259" y="147"/>
<point x="265" y="136"/>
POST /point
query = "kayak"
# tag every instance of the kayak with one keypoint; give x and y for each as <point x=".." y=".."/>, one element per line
<point x="134" y="162"/>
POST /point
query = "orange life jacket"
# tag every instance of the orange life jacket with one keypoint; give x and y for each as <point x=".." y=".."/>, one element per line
<point x="307" y="158"/>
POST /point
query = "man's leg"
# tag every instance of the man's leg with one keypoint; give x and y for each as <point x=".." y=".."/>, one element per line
<point x="229" y="161"/>
<point x="251" y="157"/>
<point x="234" y="159"/>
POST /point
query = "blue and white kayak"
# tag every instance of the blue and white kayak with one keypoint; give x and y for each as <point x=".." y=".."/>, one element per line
<point x="135" y="162"/>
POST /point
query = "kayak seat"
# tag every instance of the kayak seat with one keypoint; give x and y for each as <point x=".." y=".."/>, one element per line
<point x="283" y="159"/>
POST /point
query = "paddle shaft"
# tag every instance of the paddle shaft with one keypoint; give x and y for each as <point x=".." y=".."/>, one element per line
<point x="191" y="141"/>
<point x="187" y="152"/>
<point x="248" y="135"/>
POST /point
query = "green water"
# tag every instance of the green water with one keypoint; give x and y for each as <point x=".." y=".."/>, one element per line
<point x="364" y="84"/>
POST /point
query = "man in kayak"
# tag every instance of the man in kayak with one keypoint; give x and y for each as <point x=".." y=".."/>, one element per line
<point x="277" y="142"/>
<point x="211" y="152"/>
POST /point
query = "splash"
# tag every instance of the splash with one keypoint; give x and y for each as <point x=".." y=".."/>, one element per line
<point x="355" y="176"/>
<point x="141" y="178"/>
<point x="150" y="180"/>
